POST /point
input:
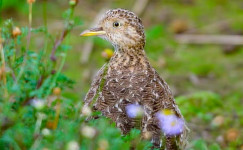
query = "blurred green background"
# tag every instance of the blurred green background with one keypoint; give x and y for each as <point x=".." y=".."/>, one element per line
<point x="206" y="79"/>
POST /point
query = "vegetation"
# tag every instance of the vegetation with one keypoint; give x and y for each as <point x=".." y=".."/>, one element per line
<point x="43" y="83"/>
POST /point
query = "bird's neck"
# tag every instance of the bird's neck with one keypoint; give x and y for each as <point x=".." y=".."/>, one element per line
<point x="133" y="58"/>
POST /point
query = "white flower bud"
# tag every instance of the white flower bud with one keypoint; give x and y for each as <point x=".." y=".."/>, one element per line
<point x="46" y="132"/>
<point x="72" y="145"/>
<point x="88" y="132"/>
<point x="86" y="111"/>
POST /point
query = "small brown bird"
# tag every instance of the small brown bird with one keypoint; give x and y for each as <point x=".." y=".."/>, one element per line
<point x="129" y="78"/>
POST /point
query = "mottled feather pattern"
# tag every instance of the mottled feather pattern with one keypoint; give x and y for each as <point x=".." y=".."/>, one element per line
<point x="94" y="86"/>
<point x="130" y="79"/>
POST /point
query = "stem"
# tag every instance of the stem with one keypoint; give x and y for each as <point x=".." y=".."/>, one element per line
<point x="1" y="9"/>
<point x="36" y="143"/>
<point x="28" y="43"/>
<point x="44" y="13"/>
<point x="66" y="30"/>
<point x="45" y="24"/>
<point x="3" y="69"/>
<point x="57" y="74"/>
<point x="40" y="117"/>
<point x="30" y="23"/>
<point x="15" y="50"/>
<point x="58" y="109"/>
<point x="58" y="43"/>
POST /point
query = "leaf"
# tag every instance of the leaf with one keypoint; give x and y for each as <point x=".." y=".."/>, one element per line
<point x="78" y="21"/>
<point x="39" y="29"/>
<point x="199" y="145"/>
<point x="214" y="147"/>
<point x="66" y="15"/>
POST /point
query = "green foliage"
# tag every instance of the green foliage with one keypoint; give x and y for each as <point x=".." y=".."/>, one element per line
<point x="201" y="145"/>
<point x="199" y="104"/>
<point x="30" y="75"/>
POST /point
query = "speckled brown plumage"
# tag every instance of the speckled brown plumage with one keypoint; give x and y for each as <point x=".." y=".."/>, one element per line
<point x="129" y="78"/>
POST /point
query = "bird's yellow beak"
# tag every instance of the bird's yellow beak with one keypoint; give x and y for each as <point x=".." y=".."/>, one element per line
<point x="93" y="32"/>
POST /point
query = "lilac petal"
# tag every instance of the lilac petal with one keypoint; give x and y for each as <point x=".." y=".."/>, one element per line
<point x="134" y="110"/>
<point x="170" y="124"/>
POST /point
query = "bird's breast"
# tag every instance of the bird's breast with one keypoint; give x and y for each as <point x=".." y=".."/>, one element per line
<point x="126" y="84"/>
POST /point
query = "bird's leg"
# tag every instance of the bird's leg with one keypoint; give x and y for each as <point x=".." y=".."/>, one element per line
<point x="171" y="143"/>
<point x="151" y="131"/>
<point x="123" y="123"/>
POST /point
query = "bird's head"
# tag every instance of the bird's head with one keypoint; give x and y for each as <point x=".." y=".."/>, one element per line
<point x="120" y="27"/>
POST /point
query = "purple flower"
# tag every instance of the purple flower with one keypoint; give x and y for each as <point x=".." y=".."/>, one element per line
<point x="134" y="110"/>
<point x="170" y="123"/>
<point x="164" y="114"/>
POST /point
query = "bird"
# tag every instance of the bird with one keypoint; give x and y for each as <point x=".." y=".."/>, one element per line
<point x="128" y="78"/>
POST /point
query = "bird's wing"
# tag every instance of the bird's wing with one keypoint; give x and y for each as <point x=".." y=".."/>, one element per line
<point x="93" y="91"/>
<point x="180" y="140"/>
<point x="169" y="98"/>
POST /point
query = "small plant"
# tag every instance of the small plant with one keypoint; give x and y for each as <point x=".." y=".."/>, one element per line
<point x="31" y="81"/>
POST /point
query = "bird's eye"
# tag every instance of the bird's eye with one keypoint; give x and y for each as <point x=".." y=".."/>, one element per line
<point x="116" y="24"/>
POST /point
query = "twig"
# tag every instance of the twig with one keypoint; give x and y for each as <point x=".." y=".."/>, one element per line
<point x="210" y="28"/>
<point x="209" y="39"/>
<point x="40" y="81"/>
<point x="58" y="43"/>
<point x="3" y="68"/>
<point x="140" y="6"/>
<point x="66" y="30"/>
